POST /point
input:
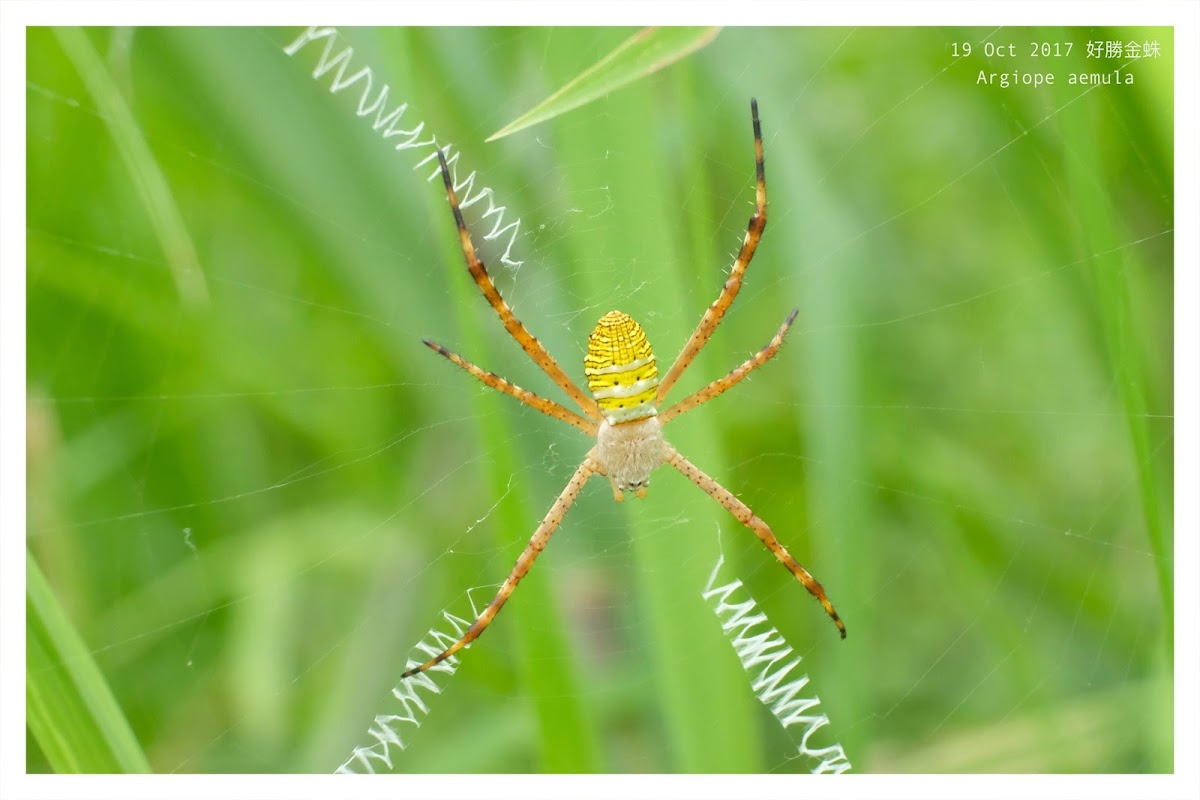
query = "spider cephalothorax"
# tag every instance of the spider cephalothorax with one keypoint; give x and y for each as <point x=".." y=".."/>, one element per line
<point x="623" y="411"/>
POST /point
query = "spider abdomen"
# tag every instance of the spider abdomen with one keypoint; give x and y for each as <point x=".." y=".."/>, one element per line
<point x="620" y="369"/>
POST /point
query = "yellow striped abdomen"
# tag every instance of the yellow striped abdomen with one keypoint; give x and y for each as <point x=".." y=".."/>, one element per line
<point x="620" y="369"/>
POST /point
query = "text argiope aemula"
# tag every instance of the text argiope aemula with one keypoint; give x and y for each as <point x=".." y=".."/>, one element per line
<point x="622" y="413"/>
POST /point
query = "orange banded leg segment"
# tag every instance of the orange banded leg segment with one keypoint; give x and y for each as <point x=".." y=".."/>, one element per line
<point x="547" y="407"/>
<point x="712" y="316"/>
<point x="717" y="387"/>
<point x="514" y="326"/>
<point x="747" y="517"/>
<point x="542" y="535"/>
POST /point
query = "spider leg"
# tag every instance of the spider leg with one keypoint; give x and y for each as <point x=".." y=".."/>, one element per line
<point x="524" y="562"/>
<point x="717" y="387"/>
<point x="547" y="407"/>
<point x="514" y="326"/>
<point x="747" y="517"/>
<point x="754" y="231"/>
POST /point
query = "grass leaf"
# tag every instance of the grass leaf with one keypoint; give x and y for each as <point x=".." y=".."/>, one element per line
<point x="642" y="54"/>
<point x="69" y="707"/>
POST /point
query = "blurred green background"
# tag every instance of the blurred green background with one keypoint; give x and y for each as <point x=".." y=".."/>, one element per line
<point x="253" y="490"/>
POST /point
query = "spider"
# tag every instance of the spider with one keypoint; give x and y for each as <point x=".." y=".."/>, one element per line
<point x="622" y="413"/>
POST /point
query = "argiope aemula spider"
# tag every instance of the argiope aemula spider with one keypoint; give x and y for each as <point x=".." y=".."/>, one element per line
<point x="622" y="412"/>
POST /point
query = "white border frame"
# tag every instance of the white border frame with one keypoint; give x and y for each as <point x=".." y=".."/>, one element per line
<point x="16" y="15"/>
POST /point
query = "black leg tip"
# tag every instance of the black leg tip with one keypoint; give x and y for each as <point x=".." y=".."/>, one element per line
<point x="445" y="169"/>
<point x="754" y="123"/>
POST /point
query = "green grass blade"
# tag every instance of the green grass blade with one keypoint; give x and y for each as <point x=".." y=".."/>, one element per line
<point x="69" y="708"/>
<point x="153" y="189"/>
<point x="543" y="662"/>
<point x="701" y="699"/>
<point x="642" y="54"/>
<point x="1113" y="276"/>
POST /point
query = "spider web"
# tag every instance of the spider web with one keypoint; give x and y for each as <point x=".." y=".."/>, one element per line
<point x="255" y="510"/>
